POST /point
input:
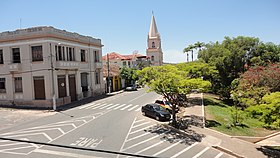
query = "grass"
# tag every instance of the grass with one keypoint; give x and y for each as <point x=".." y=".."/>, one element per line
<point x="219" y="117"/>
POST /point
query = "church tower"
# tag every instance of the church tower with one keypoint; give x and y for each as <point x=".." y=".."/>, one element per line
<point x="154" y="51"/>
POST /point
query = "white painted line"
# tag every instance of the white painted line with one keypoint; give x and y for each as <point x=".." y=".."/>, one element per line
<point x="113" y="106"/>
<point x="46" y="126"/>
<point x="133" y="107"/>
<point x="137" y="136"/>
<point x="106" y="106"/>
<point x="219" y="155"/>
<point x="141" y="129"/>
<point x="127" y="135"/>
<point x="139" y="120"/>
<point x="165" y="149"/>
<point x="182" y="151"/>
<point x="139" y="109"/>
<point x="36" y="130"/>
<point x="149" y="147"/>
<point x="60" y="153"/>
<point x="96" y="107"/>
<point x="87" y="105"/>
<point x="201" y="152"/>
<point x="140" y="124"/>
<point x="119" y="106"/>
<point x="126" y="107"/>
<point x="41" y="133"/>
<point x="24" y="147"/>
<point x="145" y="140"/>
<point x="12" y="144"/>
<point x="137" y="97"/>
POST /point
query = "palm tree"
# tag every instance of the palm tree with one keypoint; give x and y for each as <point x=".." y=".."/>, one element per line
<point x="199" y="45"/>
<point x="189" y="49"/>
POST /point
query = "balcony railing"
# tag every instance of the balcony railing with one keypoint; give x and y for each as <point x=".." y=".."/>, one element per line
<point x="67" y="65"/>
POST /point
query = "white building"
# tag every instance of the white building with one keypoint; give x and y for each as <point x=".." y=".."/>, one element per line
<point x="154" y="51"/>
<point x="46" y="67"/>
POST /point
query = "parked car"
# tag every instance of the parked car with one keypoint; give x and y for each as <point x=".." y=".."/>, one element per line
<point x="131" y="88"/>
<point x="156" y="111"/>
<point x="166" y="105"/>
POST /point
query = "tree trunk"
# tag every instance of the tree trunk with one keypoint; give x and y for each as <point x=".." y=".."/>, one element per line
<point x="174" y="121"/>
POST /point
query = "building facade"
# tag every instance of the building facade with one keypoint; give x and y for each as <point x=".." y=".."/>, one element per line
<point x="45" y="67"/>
<point x="154" y="51"/>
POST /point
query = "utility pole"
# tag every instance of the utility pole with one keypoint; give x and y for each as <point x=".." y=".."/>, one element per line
<point x="53" y="89"/>
<point x="109" y="81"/>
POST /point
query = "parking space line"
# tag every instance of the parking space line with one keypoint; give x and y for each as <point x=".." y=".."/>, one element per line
<point x="219" y="155"/>
<point x="145" y="141"/>
<point x="141" y="124"/>
<point x="137" y="137"/>
<point x="149" y="147"/>
<point x="182" y="151"/>
<point x="141" y="129"/>
<point x="165" y="149"/>
<point x="201" y="152"/>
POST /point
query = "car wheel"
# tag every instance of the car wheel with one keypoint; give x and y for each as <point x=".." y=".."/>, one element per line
<point x="157" y="118"/>
<point x="143" y="113"/>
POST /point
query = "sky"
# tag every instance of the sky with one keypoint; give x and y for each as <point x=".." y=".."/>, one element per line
<point x="123" y="25"/>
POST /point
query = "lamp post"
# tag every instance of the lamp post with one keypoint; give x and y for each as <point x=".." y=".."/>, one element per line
<point x="53" y="88"/>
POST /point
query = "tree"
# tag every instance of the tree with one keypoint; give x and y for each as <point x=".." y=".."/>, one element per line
<point x="190" y="48"/>
<point x="169" y="82"/>
<point x="129" y="74"/>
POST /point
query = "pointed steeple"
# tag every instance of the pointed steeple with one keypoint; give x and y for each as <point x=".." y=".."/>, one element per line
<point x="153" y="28"/>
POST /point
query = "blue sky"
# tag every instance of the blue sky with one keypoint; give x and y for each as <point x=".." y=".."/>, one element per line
<point x="123" y="25"/>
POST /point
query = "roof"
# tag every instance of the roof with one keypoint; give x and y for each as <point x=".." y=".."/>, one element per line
<point x="115" y="55"/>
<point x="114" y="70"/>
<point x="153" y="28"/>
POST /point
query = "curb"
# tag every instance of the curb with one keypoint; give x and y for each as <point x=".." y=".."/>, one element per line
<point x="227" y="151"/>
<point x="269" y="136"/>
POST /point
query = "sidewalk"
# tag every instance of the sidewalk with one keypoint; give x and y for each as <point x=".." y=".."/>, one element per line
<point x="225" y="143"/>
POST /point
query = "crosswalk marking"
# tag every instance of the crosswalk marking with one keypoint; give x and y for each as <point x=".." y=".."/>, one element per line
<point x="182" y="151"/>
<point x="105" y="106"/>
<point x="119" y="106"/>
<point x="133" y="107"/>
<point x="113" y="106"/>
<point x="126" y="107"/>
<point x="165" y="149"/>
<point x="98" y="106"/>
<point x="92" y="105"/>
<point x="139" y="109"/>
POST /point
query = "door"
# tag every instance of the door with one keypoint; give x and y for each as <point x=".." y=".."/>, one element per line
<point x="61" y="83"/>
<point x="72" y="87"/>
<point x="39" y="88"/>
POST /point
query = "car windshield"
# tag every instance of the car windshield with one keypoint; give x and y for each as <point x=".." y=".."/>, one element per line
<point x="167" y="103"/>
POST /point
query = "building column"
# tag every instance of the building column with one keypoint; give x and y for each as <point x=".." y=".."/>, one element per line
<point x="67" y="83"/>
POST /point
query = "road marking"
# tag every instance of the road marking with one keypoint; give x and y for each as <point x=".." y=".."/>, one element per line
<point x="98" y="106"/>
<point x="149" y="147"/>
<point x="140" y="124"/>
<point x="165" y="149"/>
<point x="94" y="105"/>
<point x="47" y="136"/>
<point x="60" y="153"/>
<point x="139" y="109"/>
<point x="137" y="97"/>
<point x="12" y="144"/>
<point x="106" y="106"/>
<point x="182" y="151"/>
<point x="126" y="107"/>
<point x="201" y="152"/>
<point x="133" y="107"/>
<point x="141" y="129"/>
<point x="113" y="106"/>
<point x="87" y="105"/>
<point x="36" y="130"/>
<point x="145" y="140"/>
<point x="137" y="136"/>
<point x="119" y="106"/>
<point x="127" y="135"/>
<point x="219" y="155"/>
<point x="139" y="120"/>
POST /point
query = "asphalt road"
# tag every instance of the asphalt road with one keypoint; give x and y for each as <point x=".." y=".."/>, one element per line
<point x="114" y="126"/>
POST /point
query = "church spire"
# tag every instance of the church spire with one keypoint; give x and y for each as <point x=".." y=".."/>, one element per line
<point x="153" y="28"/>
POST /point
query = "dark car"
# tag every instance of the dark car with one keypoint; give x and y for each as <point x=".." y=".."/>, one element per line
<point x="156" y="111"/>
<point x="131" y="88"/>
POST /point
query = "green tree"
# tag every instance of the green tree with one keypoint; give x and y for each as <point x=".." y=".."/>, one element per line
<point x="169" y="82"/>
<point x="188" y="49"/>
<point x="129" y="74"/>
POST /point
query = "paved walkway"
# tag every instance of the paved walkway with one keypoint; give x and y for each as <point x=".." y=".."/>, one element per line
<point x="223" y="142"/>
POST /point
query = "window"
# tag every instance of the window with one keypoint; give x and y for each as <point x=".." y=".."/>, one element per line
<point x="70" y="54"/>
<point x="37" y="53"/>
<point x="97" y="78"/>
<point x="96" y="56"/>
<point x="16" y="55"/>
<point x="18" y="84"/>
<point x="128" y="63"/>
<point x="153" y="45"/>
<point x="153" y="58"/>
<point x="59" y="50"/>
<point x="2" y="85"/>
<point x="1" y="57"/>
<point x="83" y="55"/>
<point x="124" y="63"/>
